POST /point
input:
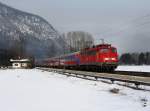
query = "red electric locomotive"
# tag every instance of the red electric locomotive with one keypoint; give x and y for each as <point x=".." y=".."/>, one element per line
<point x="103" y="58"/>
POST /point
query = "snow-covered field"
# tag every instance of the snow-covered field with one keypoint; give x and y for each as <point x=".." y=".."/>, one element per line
<point x="36" y="90"/>
<point x="134" y="68"/>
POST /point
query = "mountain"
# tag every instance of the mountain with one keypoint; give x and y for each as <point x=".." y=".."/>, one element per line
<point x="25" y="34"/>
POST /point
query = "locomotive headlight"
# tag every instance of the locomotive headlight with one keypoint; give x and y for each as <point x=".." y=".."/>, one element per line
<point x="113" y="58"/>
<point x="106" y="59"/>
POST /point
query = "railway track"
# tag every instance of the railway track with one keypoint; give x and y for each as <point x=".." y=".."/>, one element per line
<point x="133" y="73"/>
<point x="137" y="78"/>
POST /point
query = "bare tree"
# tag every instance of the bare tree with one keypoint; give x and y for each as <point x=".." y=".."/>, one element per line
<point x="78" y="40"/>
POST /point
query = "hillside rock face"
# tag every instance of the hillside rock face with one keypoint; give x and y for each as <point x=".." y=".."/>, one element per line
<point x="26" y="34"/>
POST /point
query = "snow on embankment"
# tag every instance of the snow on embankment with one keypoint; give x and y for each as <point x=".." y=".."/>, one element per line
<point x="134" y="68"/>
<point x="36" y="90"/>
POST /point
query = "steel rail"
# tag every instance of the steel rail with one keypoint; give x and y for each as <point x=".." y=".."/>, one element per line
<point x="133" y="73"/>
<point x="137" y="80"/>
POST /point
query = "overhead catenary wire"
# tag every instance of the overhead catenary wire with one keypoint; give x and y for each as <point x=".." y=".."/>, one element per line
<point x="135" y="22"/>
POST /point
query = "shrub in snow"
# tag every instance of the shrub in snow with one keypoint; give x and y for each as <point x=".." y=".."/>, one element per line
<point x="144" y="102"/>
<point x="114" y="90"/>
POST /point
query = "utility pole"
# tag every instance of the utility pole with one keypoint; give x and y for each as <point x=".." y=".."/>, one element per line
<point x="102" y="41"/>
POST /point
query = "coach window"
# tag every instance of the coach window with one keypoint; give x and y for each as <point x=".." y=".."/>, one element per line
<point x="86" y="52"/>
<point x="82" y="52"/>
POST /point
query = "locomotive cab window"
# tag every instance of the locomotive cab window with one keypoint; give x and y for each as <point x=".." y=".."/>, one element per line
<point x="114" y="50"/>
<point x="92" y="53"/>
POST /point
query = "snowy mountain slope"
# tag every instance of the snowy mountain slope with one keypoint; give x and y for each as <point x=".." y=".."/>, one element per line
<point x="36" y="90"/>
<point x="20" y="29"/>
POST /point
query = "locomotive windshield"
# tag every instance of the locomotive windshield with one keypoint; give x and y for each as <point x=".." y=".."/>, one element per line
<point x="104" y="50"/>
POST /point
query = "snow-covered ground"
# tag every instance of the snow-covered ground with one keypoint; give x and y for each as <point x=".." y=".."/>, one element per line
<point x="134" y="68"/>
<point x="36" y="90"/>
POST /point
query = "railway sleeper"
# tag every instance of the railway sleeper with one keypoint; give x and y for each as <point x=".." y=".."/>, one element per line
<point x="137" y="85"/>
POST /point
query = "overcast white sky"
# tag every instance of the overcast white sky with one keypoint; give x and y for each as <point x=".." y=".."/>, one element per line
<point x="99" y="17"/>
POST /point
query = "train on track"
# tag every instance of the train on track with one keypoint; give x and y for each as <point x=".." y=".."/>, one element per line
<point x="102" y="58"/>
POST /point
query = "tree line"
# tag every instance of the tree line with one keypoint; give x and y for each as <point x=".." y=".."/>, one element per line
<point x="142" y="58"/>
<point x="78" y="40"/>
